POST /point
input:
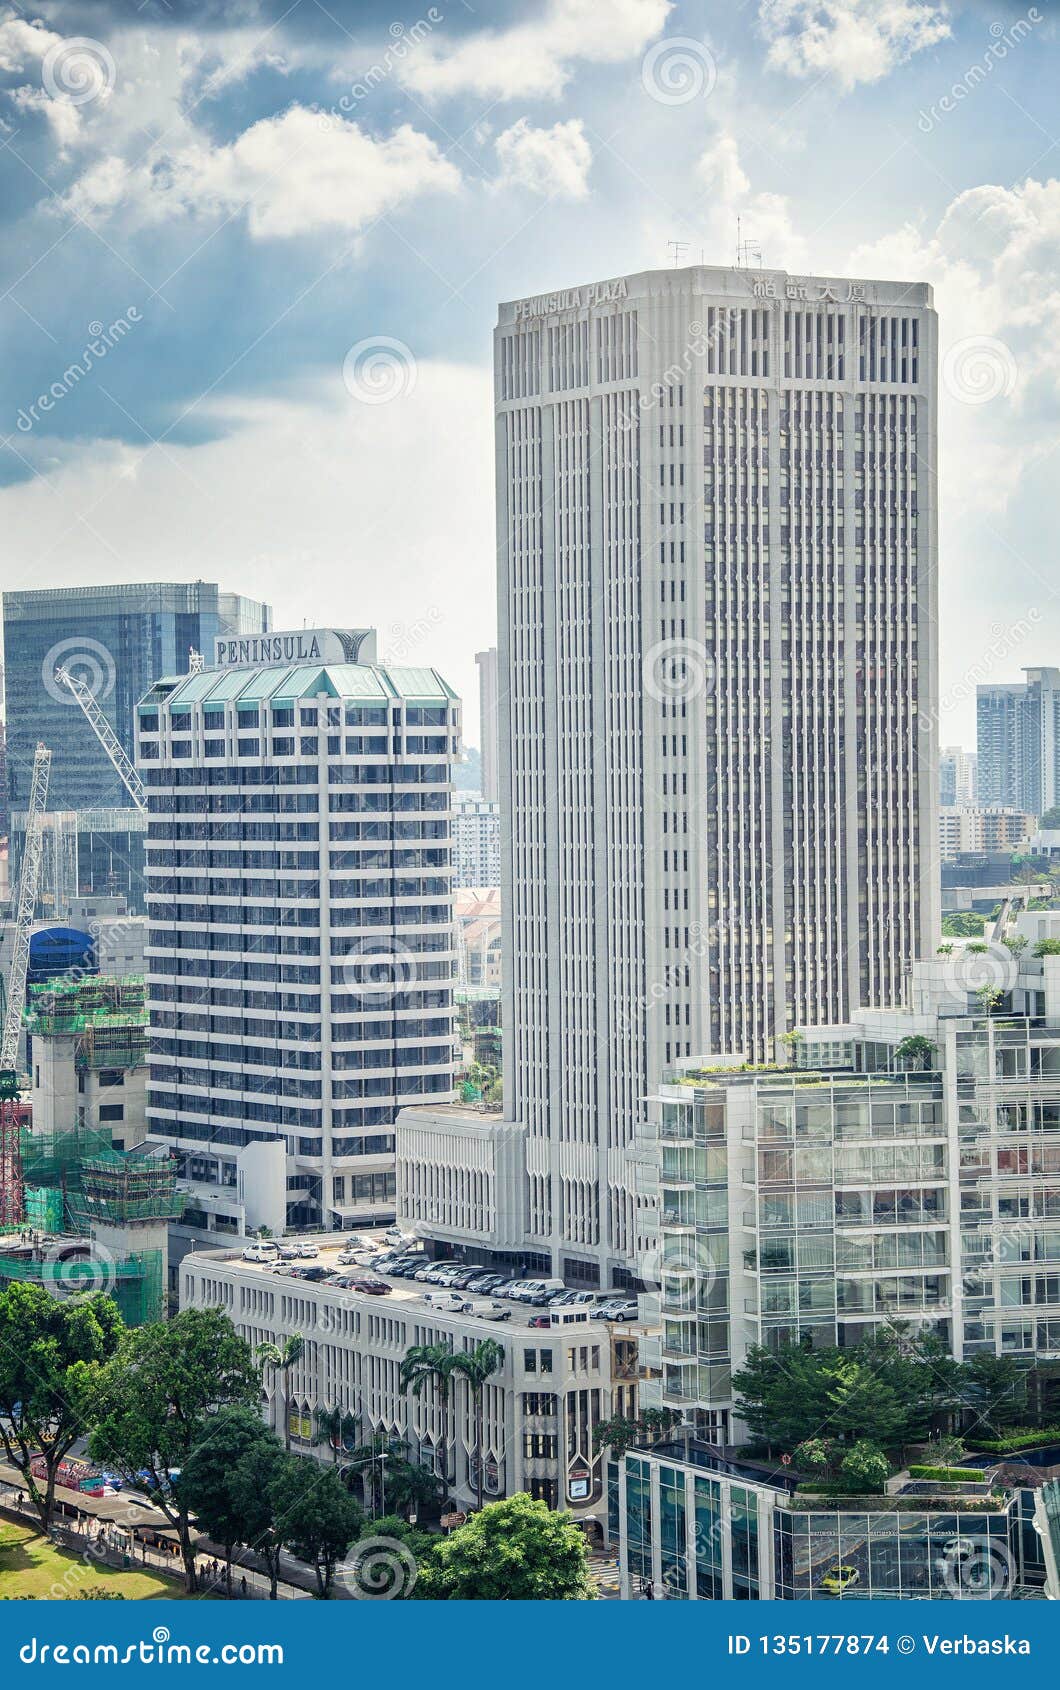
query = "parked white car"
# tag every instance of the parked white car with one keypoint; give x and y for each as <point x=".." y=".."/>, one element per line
<point x="451" y="1301"/>
<point x="259" y="1253"/>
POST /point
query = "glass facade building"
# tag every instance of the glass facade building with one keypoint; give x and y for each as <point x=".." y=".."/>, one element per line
<point x="815" y="1203"/>
<point x="117" y="640"/>
<point x="696" y="1528"/>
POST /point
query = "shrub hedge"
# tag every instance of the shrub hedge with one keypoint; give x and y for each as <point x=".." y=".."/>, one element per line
<point x="949" y="1475"/>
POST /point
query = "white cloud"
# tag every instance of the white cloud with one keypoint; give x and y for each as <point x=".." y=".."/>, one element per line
<point x="61" y="116"/>
<point x="23" y="44"/>
<point x="851" y="40"/>
<point x="295" y="174"/>
<point x="766" y="218"/>
<point x="536" y="59"/>
<point x="552" y="161"/>
<point x="328" y="535"/>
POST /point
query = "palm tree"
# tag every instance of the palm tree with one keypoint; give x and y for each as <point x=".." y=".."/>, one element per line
<point x="281" y="1358"/>
<point x="336" y="1424"/>
<point x="429" y="1364"/>
<point x="476" y="1366"/>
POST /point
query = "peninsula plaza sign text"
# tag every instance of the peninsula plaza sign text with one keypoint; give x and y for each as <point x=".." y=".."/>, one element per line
<point x="569" y="299"/>
<point x="303" y="645"/>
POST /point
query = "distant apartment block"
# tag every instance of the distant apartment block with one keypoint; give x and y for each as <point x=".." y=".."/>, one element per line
<point x="1018" y="733"/>
<point x="983" y="831"/>
<point x="958" y="781"/>
<point x="476" y="841"/>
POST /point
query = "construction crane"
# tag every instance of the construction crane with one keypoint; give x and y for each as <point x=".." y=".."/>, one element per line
<point x="109" y="740"/>
<point x="12" y="1196"/>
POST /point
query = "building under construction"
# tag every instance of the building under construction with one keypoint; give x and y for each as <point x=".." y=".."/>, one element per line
<point x="88" y="1043"/>
<point x="96" y="1219"/>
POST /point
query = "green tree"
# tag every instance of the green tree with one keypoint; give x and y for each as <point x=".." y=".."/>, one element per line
<point x="155" y="1400"/>
<point x="335" y="1425"/>
<point x="317" y="1517"/>
<point x="476" y="1367"/>
<point x="915" y="1051"/>
<point x="817" y="1455"/>
<point x="208" y="1481"/>
<point x="1051" y="818"/>
<point x="255" y="1492"/>
<point x="865" y="1468"/>
<point x="963" y="924"/>
<point x="411" y="1486"/>
<point x="427" y="1366"/>
<point x="793" y="1040"/>
<point x="620" y="1434"/>
<point x="1017" y="944"/>
<point x="1047" y="947"/>
<point x="517" y="1550"/>
<point x="48" y="1351"/>
<point x="861" y="1402"/>
<point x="279" y="1359"/>
<point x="995" y="1389"/>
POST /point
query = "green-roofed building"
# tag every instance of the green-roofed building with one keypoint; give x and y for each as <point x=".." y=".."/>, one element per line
<point x="301" y="961"/>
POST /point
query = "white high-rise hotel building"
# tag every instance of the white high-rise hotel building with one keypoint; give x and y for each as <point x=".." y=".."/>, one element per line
<point x="716" y="498"/>
<point x="301" y="952"/>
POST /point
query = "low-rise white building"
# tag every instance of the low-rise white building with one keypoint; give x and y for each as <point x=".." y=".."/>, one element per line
<point x="558" y="1379"/>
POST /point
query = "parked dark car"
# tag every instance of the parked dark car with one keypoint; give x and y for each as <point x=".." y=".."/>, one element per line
<point x="372" y="1287"/>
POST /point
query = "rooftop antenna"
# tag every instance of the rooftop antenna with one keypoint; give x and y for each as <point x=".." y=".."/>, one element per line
<point x="196" y="661"/>
<point x="677" y="249"/>
<point x="748" y="252"/>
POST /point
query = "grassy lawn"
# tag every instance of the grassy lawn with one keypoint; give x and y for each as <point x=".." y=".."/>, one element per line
<point x="31" y="1566"/>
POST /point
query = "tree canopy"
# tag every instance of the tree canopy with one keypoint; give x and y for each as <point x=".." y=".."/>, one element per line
<point x="157" y="1397"/>
<point x="511" y="1551"/>
<point x="49" y="1350"/>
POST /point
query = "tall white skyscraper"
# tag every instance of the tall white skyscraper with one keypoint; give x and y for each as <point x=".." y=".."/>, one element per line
<point x="716" y="498"/>
<point x="301" y="954"/>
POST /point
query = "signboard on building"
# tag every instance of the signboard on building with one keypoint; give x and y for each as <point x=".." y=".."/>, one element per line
<point x="302" y="645"/>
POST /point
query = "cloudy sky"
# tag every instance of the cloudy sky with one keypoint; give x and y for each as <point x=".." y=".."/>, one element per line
<point x="283" y="227"/>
